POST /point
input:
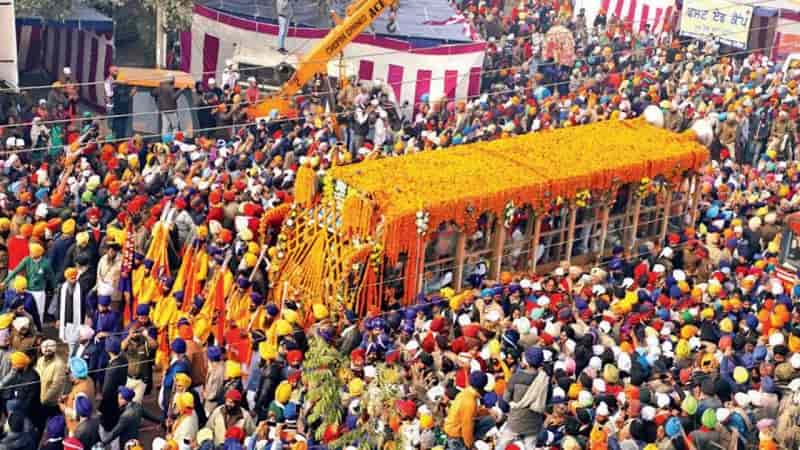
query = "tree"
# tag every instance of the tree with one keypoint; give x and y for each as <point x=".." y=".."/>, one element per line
<point x="46" y="9"/>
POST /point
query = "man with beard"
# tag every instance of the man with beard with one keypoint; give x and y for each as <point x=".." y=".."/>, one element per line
<point x="140" y="347"/>
<point x="230" y="414"/>
<point x="51" y="369"/>
<point x="71" y="313"/>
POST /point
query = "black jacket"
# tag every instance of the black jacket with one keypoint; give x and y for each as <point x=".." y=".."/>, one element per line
<point x="17" y="441"/>
<point x="88" y="432"/>
<point x="52" y="445"/>
<point x="127" y="427"/>
<point x="116" y="376"/>
<point x="24" y="389"/>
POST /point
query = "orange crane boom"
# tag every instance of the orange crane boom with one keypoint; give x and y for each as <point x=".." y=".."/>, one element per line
<point x="360" y="14"/>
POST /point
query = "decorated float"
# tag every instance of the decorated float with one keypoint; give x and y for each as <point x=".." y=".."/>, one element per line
<point x="396" y="227"/>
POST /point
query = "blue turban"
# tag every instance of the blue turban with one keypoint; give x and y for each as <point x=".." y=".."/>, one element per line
<point x="256" y="298"/>
<point x="478" y="380"/>
<point x="179" y="346"/>
<point x="272" y="310"/>
<point x="83" y="406"/>
<point x="142" y="309"/>
<point x="199" y="301"/>
<point x="178" y="296"/>
<point x="214" y="353"/>
<point x="104" y="300"/>
<point x="489" y="399"/>
<point x="534" y="356"/>
<point x="113" y="345"/>
<point x="78" y="367"/>
<point x="673" y="427"/>
<point x="126" y="393"/>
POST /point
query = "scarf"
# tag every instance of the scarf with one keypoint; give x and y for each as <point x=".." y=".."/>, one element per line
<point x="535" y="397"/>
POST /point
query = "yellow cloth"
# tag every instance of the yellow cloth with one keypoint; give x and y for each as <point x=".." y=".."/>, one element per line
<point x="460" y="421"/>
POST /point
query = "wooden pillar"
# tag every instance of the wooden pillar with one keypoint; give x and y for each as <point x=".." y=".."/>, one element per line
<point x="603" y="231"/>
<point x="497" y="251"/>
<point x="637" y="209"/>
<point x="571" y="230"/>
<point x="665" y="223"/>
<point x="461" y="245"/>
<point x="537" y="236"/>
<point x="695" y="199"/>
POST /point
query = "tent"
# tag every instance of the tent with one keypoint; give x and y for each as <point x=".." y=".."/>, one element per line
<point x="84" y="43"/>
<point x="431" y="52"/>
<point x="775" y="28"/>
<point x="658" y="14"/>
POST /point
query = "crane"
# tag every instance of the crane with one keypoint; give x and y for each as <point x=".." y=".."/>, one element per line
<point x="359" y="15"/>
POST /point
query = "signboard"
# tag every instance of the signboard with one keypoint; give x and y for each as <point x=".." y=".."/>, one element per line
<point x="724" y="21"/>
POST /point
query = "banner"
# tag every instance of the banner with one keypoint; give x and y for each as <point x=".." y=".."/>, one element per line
<point x="724" y="21"/>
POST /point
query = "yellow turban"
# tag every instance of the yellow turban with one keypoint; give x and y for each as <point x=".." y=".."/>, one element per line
<point x="6" y="319"/>
<point x="68" y="227"/>
<point x="20" y="283"/>
<point x="182" y="380"/>
<point x="356" y="387"/>
<point x="184" y="400"/>
<point x="36" y="250"/>
<point x="267" y="351"/>
<point x="253" y="247"/>
<point x="290" y="315"/>
<point x="82" y="238"/>
<point x="682" y="349"/>
<point x="19" y="360"/>
<point x="282" y="327"/>
<point x="283" y="392"/>
<point x="71" y="273"/>
<point x="5" y="224"/>
<point x="202" y="232"/>
<point x="426" y="421"/>
<point x="232" y="369"/>
<point x="320" y="311"/>
<point x="250" y="259"/>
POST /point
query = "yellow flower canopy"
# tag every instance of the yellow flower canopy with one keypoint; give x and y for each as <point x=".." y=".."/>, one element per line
<point x="460" y="183"/>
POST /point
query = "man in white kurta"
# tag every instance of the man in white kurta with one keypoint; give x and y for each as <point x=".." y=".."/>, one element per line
<point x="70" y="308"/>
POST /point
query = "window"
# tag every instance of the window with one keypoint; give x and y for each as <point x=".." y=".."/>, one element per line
<point x="440" y="258"/>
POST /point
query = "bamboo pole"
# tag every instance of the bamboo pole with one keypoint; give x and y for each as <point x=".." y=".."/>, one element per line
<point x="461" y="244"/>
<point x="497" y="252"/>
<point x="603" y="231"/>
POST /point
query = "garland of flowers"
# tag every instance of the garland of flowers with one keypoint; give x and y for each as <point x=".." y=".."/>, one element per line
<point x="356" y="214"/>
<point x="305" y="186"/>
<point x="539" y="169"/>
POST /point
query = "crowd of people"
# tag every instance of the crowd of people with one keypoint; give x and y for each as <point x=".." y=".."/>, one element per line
<point x="692" y="343"/>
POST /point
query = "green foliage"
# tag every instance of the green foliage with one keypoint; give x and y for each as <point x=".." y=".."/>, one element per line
<point x="321" y="366"/>
<point x="378" y="399"/>
<point x="47" y="9"/>
<point x="177" y="13"/>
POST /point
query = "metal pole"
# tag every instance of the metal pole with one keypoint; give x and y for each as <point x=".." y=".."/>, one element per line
<point x="537" y="236"/>
<point x="603" y="231"/>
<point x="499" y="243"/>
<point x="461" y="244"/>
<point x="571" y="230"/>
<point x="665" y="222"/>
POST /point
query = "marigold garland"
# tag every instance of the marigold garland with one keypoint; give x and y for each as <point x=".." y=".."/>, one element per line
<point x="461" y="183"/>
<point x="305" y="186"/>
